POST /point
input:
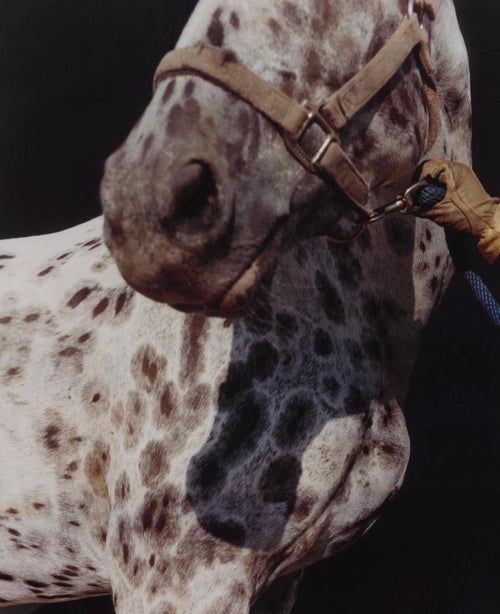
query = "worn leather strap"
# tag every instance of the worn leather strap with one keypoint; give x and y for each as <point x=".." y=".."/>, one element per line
<point x="354" y="95"/>
<point x="221" y="68"/>
<point x="331" y="162"/>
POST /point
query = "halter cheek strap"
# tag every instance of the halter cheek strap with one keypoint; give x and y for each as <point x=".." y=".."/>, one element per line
<point x="294" y="120"/>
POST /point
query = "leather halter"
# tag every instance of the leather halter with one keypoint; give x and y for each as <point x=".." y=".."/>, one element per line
<point x="294" y="121"/>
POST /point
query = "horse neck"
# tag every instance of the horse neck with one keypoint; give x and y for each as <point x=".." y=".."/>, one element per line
<point x="371" y="298"/>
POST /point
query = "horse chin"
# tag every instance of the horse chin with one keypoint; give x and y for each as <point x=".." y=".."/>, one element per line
<point x="236" y="301"/>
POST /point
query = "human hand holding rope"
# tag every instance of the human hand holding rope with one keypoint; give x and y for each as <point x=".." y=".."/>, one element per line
<point x="466" y="208"/>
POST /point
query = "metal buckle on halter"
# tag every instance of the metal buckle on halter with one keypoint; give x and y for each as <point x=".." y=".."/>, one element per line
<point x="295" y="142"/>
<point x="405" y="203"/>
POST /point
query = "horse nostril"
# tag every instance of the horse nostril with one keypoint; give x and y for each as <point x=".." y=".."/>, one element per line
<point x="194" y="199"/>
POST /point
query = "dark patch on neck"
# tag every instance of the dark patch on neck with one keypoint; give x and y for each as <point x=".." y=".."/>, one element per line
<point x="279" y="481"/>
<point x="295" y="421"/>
<point x="400" y="236"/>
<point x="331" y="300"/>
<point x="262" y="360"/>
<point x="286" y="325"/>
<point x="230" y="531"/>
<point x="349" y="268"/>
<point x="323" y="345"/>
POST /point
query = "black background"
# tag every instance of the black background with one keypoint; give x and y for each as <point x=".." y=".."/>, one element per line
<point x="74" y="77"/>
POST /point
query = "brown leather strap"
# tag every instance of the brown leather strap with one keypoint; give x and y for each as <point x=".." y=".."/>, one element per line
<point x="431" y="95"/>
<point x="219" y="67"/>
<point x="339" y="167"/>
<point x="354" y="95"/>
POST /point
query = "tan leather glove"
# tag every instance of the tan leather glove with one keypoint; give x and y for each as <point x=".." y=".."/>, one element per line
<point x="467" y="207"/>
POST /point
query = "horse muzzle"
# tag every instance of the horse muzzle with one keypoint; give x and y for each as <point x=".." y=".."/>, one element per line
<point x="177" y="237"/>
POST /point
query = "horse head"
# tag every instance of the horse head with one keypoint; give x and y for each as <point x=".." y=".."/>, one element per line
<point x="204" y="194"/>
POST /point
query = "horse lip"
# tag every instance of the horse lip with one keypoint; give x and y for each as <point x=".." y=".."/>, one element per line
<point x="233" y="300"/>
<point x="232" y="303"/>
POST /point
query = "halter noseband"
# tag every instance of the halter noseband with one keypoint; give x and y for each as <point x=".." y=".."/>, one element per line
<point x="294" y="121"/>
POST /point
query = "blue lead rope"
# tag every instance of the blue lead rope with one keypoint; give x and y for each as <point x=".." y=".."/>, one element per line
<point x="483" y="296"/>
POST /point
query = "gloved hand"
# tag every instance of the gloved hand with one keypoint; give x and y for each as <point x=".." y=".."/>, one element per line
<point x="467" y="207"/>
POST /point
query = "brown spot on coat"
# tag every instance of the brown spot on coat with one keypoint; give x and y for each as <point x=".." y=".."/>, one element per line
<point x="146" y="146"/>
<point x="51" y="436"/>
<point x="92" y="243"/>
<point x="148" y="366"/>
<point x="96" y="468"/>
<point x="69" y="352"/>
<point x="122" y="488"/>
<point x="169" y="90"/>
<point x="195" y="327"/>
<point x="101" y="307"/>
<point x="314" y="67"/>
<point x="153" y="463"/>
<point x="158" y="513"/>
<point x="134" y="420"/>
<point x="45" y="271"/>
<point x="189" y="88"/>
<point x="275" y="26"/>
<point x="120" y="302"/>
<point x="234" y="20"/>
<point x="167" y="405"/>
<point x="79" y="297"/>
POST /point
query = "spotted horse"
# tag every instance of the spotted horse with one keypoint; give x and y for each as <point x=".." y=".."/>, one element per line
<point x="189" y="463"/>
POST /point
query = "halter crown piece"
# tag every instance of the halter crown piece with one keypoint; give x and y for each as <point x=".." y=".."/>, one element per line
<point x="294" y="121"/>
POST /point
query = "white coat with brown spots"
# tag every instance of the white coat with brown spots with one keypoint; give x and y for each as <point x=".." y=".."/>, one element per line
<point x="185" y="463"/>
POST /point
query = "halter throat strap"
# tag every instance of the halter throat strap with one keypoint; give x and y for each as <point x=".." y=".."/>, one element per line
<point x="294" y="120"/>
